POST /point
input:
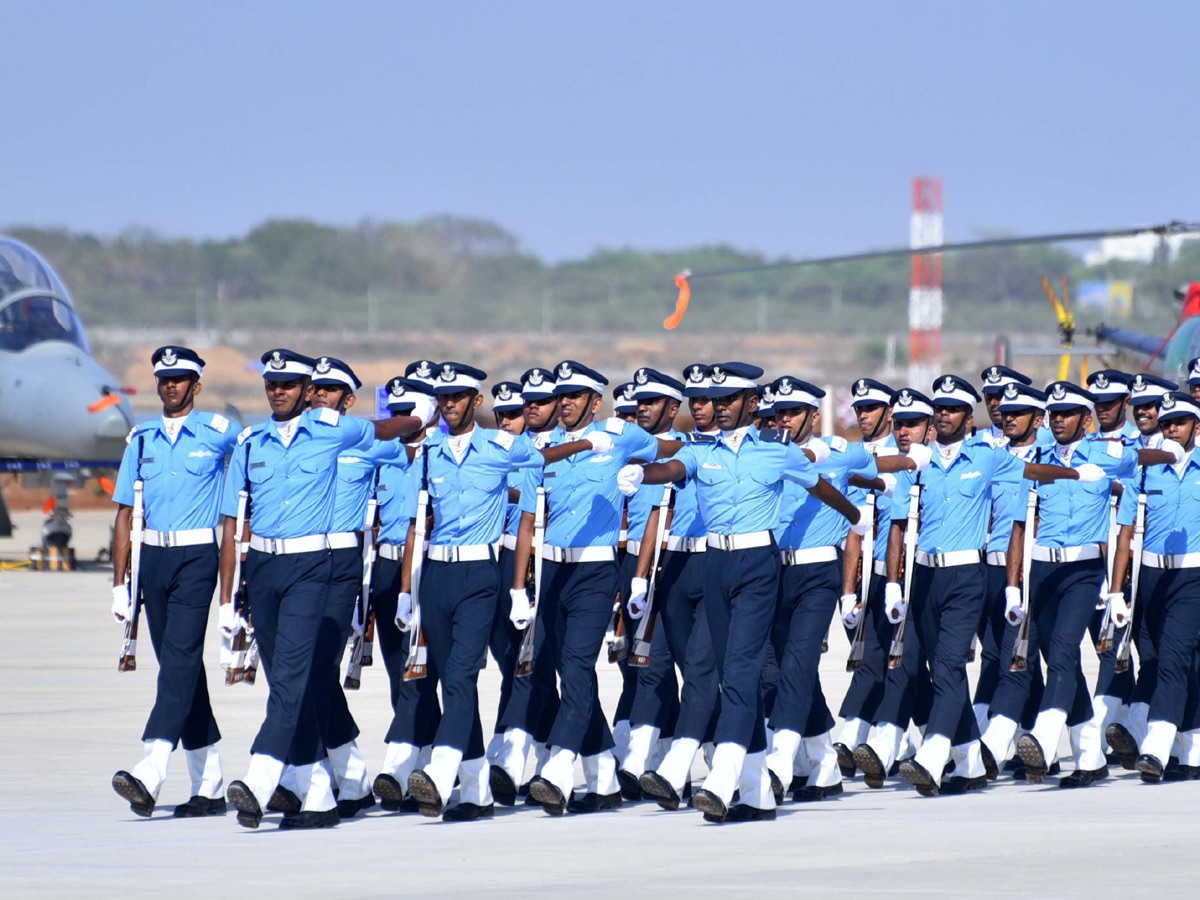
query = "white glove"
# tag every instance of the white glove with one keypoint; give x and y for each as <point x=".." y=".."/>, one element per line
<point x="229" y="623"/>
<point x="521" y="610"/>
<point x="1119" y="608"/>
<point x="601" y="441"/>
<point x="629" y="478"/>
<point x="889" y="483"/>
<point x="893" y="603"/>
<point x="1012" y="605"/>
<point x="851" y="611"/>
<point x="404" y="611"/>
<point x="921" y="455"/>
<point x="1102" y="597"/>
<point x="425" y="408"/>
<point x="1090" y="473"/>
<point x="860" y="527"/>
<point x="820" y="450"/>
<point x="1174" y="448"/>
<point x="122" y="607"/>
<point x="637" y="597"/>
<point x="357" y="626"/>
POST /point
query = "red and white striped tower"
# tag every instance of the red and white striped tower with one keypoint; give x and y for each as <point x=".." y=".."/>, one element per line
<point x="925" y="293"/>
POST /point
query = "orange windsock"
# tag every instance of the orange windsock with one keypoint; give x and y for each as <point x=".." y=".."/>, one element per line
<point x="48" y="506"/>
<point x="104" y="403"/>
<point x="681" y="304"/>
<point x="109" y="487"/>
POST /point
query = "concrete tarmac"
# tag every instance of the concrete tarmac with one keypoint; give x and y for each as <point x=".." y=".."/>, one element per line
<point x="68" y="720"/>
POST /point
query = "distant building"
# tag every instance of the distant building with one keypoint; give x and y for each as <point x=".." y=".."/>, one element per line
<point x="1138" y="248"/>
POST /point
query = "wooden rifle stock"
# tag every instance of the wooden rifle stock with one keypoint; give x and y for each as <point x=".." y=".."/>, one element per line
<point x="866" y="562"/>
<point x="1020" y="655"/>
<point x="1135" y="549"/>
<point x="418" y="666"/>
<point x="618" y="647"/>
<point x="1107" y="630"/>
<point x="533" y="580"/>
<point x="911" y="535"/>
<point x="644" y="636"/>
<point x="128" y="659"/>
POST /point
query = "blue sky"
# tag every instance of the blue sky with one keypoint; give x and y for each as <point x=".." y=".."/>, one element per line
<point x="783" y="127"/>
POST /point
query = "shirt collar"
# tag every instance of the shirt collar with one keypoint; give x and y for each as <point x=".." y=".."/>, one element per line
<point x="301" y="424"/>
<point x="186" y="425"/>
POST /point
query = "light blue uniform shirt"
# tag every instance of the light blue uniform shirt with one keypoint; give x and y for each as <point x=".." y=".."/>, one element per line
<point x="356" y="482"/>
<point x="643" y="502"/>
<point x="181" y="483"/>
<point x="742" y="492"/>
<point x="1071" y="513"/>
<point x="396" y="490"/>
<point x="470" y="498"/>
<point x="1172" y="507"/>
<point x="883" y="503"/>
<point x="956" y="502"/>
<point x="806" y="522"/>
<point x="293" y="489"/>
<point x="1009" y="500"/>
<point x="583" y="503"/>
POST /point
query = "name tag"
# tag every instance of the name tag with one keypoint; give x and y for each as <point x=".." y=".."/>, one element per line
<point x="711" y="466"/>
<point x="146" y="459"/>
<point x="437" y="480"/>
<point x="257" y="465"/>
<point x="966" y="475"/>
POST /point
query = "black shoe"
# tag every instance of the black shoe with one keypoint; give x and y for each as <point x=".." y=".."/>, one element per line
<point x="1013" y="763"/>
<point x="743" y="812"/>
<point x="654" y="785"/>
<point x="711" y="805"/>
<point x="1034" y="758"/>
<point x="524" y="790"/>
<point x="630" y="789"/>
<point x="503" y="788"/>
<point x="199" y="807"/>
<point x="1083" y="777"/>
<point x="958" y="784"/>
<point x="1123" y="745"/>
<point x="469" y="812"/>
<point x="592" y="802"/>
<point x="1019" y="772"/>
<point x="425" y="792"/>
<point x="242" y="798"/>
<point x="284" y="801"/>
<point x="1151" y="769"/>
<point x="547" y="796"/>
<point x="391" y="794"/>
<point x="990" y="770"/>
<point x="131" y="789"/>
<point x="895" y="768"/>
<point x="348" y="809"/>
<point x="919" y="777"/>
<point x="1180" y="772"/>
<point x="871" y="765"/>
<point x="797" y="782"/>
<point x="845" y="760"/>
<point x="776" y="787"/>
<point x="326" y="818"/>
<point x="812" y="792"/>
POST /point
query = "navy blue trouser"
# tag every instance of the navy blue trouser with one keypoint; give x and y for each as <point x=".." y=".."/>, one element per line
<point x="415" y="710"/>
<point x="991" y="634"/>
<point x="680" y="639"/>
<point x="1170" y="602"/>
<point x="177" y="591"/>
<point x="808" y="597"/>
<point x="1018" y="695"/>
<point x="626" y="569"/>
<point x="458" y="605"/>
<point x="505" y="639"/>
<point x="533" y="703"/>
<point x="1063" y="597"/>
<point x="865" y="693"/>
<point x="578" y="597"/>
<point x="947" y="603"/>
<point x="287" y="604"/>
<point x="324" y="682"/>
<point x="907" y="689"/>
<point x="741" y="591"/>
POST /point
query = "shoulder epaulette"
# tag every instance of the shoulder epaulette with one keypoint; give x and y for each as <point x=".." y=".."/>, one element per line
<point x="613" y="425"/>
<point x="218" y="423"/>
<point x="837" y="442"/>
<point x="775" y="436"/>
<point x="502" y="439"/>
<point x="246" y="432"/>
<point x="328" y="416"/>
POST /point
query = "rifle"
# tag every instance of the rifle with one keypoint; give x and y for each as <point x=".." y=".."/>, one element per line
<point x="1020" y="654"/>
<point x="128" y="659"/>
<point x="358" y="649"/>
<point x="1135" y="549"/>
<point x="418" y="665"/>
<point x="1107" y="627"/>
<point x="911" y="534"/>
<point x="618" y="646"/>
<point x="239" y="646"/>
<point x="645" y="630"/>
<point x="525" y="656"/>
<point x="867" y="561"/>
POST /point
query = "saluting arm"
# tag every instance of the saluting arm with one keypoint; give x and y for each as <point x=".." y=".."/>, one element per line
<point x="850" y="560"/>
<point x="122" y="527"/>
<point x="229" y="548"/>
<point x="396" y="427"/>
<point x="406" y="564"/>
<point x="1156" y="458"/>
<point x="895" y="548"/>
<point x="1121" y="559"/>
<point x="871" y="484"/>
<point x="1016" y="553"/>
<point x="562" y="451"/>
<point x="835" y="499"/>
<point x="646" y="552"/>
<point x="524" y="550"/>
<point x="664" y="472"/>
<point x="668" y="447"/>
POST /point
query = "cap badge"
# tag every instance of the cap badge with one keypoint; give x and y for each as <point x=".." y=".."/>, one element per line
<point x="768" y="396"/>
<point x="564" y="371"/>
<point x="447" y="372"/>
<point x="505" y="392"/>
<point x="1101" y="381"/>
<point x="860" y="389"/>
<point x="1058" y="392"/>
<point x="696" y="374"/>
<point x="396" y="388"/>
<point x="641" y="377"/>
<point x="323" y="366"/>
<point x="423" y="369"/>
<point x="993" y="375"/>
<point x="536" y="378"/>
<point x="169" y="358"/>
<point x="948" y="384"/>
<point x="1010" y="392"/>
<point x="1168" y="402"/>
<point x="905" y="398"/>
<point x="718" y="375"/>
<point x="277" y="361"/>
<point x="628" y="392"/>
<point x="785" y="387"/>
<point x="1139" y="383"/>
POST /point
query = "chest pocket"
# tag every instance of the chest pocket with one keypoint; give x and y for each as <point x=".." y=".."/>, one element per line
<point x="203" y="465"/>
<point x="150" y="470"/>
<point x="489" y="484"/>
<point x="1158" y="501"/>
<point x="307" y="466"/>
<point x="354" y="474"/>
<point x="970" y="487"/>
<point x="597" y="472"/>
<point x="259" y="474"/>
<point x="713" y="476"/>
